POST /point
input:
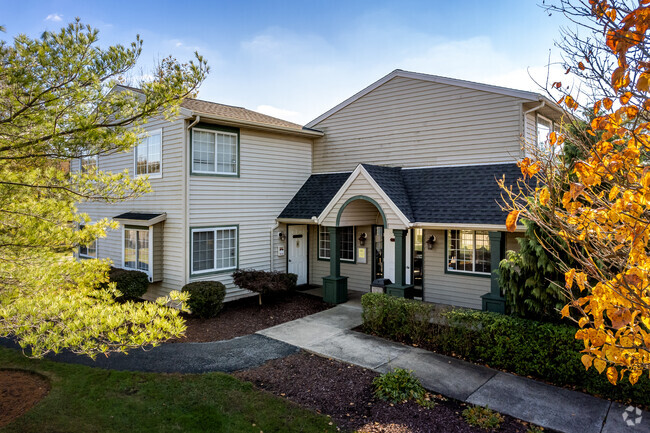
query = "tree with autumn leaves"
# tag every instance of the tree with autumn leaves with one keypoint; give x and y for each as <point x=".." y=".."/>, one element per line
<point x="603" y="218"/>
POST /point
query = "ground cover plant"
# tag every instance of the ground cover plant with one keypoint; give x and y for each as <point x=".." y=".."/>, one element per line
<point x="84" y="399"/>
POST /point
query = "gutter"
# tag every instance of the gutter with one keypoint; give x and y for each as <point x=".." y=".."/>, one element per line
<point x="263" y="126"/>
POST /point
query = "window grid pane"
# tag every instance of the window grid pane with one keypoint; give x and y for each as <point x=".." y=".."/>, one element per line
<point x="143" y="250"/>
<point x="347" y="243"/>
<point x="130" y="244"/>
<point x="88" y="163"/>
<point x="323" y="242"/>
<point x="203" y="251"/>
<point x="468" y="251"/>
<point x="203" y="146"/>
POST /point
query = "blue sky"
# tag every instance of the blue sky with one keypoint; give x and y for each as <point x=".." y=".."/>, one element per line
<point x="297" y="59"/>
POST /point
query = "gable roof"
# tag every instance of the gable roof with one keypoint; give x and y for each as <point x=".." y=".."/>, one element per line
<point x="467" y="194"/>
<point x="525" y="95"/>
<point x="314" y="195"/>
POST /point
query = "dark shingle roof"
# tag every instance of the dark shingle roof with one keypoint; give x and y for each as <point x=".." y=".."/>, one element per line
<point x="390" y="180"/>
<point x="137" y="216"/>
<point x="314" y="195"/>
<point x="466" y="194"/>
<point x="463" y="195"/>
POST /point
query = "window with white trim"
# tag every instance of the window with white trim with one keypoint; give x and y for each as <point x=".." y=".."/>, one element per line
<point x="136" y="248"/>
<point x="89" y="163"/>
<point x="214" y="152"/>
<point x="544" y="128"/>
<point x="214" y="249"/>
<point x="88" y="251"/>
<point x="468" y="251"/>
<point x="148" y="155"/>
<point x="346" y="239"/>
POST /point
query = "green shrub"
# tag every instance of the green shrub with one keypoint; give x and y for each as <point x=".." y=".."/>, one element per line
<point x="547" y="351"/>
<point x="132" y="284"/>
<point x="399" y="386"/>
<point x="264" y="282"/>
<point x="483" y="417"/>
<point x="206" y="297"/>
<point x="397" y="318"/>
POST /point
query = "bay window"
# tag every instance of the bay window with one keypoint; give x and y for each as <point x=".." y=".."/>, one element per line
<point x="137" y="249"/>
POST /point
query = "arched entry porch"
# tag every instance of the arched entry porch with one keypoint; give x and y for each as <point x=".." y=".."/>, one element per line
<point x="362" y="210"/>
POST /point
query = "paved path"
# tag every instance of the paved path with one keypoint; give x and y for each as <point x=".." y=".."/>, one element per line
<point x="240" y="353"/>
<point x="328" y="333"/>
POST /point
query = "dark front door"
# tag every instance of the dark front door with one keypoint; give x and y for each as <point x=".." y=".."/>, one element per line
<point x="377" y="252"/>
<point x="418" y="263"/>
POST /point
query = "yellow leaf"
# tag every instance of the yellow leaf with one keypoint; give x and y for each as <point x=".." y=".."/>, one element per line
<point x="600" y="365"/>
<point x="565" y="311"/>
<point x="544" y="196"/>
<point x="583" y="321"/>
<point x="587" y="361"/>
<point x="607" y="103"/>
<point x="634" y="376"/>
<point x="612" y="375"/>
<point x="568" y="278"/>
<point x="642" y="83"/>
<point x="511" y="220"/>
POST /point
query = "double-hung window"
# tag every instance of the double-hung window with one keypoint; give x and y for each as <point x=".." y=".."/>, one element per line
<point x="346" y="238"/>
<point x="215" y="151"/>
<point x="137" y="248"/>
<point x="148" y="155"/>
<point x="468" y="251"/>
<point x="88" y="251"/>
<point x="214" y="249"/>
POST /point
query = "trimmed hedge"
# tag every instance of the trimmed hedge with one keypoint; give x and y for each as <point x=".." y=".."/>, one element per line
<point x="206" y="297"/>
<point x="546" y="351"/>
<point x="264" y="282"/>
<point x="132" y="284"/>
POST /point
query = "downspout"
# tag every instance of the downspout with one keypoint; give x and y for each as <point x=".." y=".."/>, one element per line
<point x="187" y="158"/>
<point x="526" y="119"/>
<point x="277" y="224"/>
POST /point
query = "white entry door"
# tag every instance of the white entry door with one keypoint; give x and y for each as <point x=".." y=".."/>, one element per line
<point x="297" y="254"/>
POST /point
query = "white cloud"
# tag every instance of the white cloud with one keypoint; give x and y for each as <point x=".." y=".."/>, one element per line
<point x="54" y="17"/>
<point x="281" y="113"/>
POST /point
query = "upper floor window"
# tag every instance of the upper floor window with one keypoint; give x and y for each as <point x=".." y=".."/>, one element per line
<point x="215" y="151"/>
<point x="148" y="154"/>
<point x="88" y="251"/>
<point x="346" y="240"/>
<point x="544" y="128"/>
<point x="468" y="251"/>
<point x="89" y="163"/>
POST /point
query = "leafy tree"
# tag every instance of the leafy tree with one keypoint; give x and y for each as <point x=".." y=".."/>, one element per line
<point x="59" y="101"/>
<point x="604" y="216"/>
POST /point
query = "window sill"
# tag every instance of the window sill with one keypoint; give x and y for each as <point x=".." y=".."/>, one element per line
<point x="468" y="274"/>
<point x="211" y="272"/>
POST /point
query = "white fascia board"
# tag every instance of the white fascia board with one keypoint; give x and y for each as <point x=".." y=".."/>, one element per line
<point x="357" y="171"/>
<point x="142" y="223"/>
<point x="453" y="226"/>
<point x="529" y="96"/>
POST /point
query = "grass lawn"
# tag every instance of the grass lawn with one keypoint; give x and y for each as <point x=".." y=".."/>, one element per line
<point x="84" y="399"/>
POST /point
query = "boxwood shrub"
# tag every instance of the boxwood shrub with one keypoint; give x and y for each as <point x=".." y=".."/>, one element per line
<point x="132" y="284"/>
<point x="206" y="297"/>
<point x="546" y="351"/>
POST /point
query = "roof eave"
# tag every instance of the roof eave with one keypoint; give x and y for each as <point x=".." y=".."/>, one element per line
<point x="305" y="132"/>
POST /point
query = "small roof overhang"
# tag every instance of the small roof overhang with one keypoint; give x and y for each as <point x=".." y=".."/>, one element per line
<point x="140" y="218"/>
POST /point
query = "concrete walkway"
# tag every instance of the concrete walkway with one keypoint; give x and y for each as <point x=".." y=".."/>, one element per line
<point x="329" y="334"/>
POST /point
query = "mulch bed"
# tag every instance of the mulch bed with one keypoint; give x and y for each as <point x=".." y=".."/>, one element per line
<point x="19" y="392"/>
<point x="345" y="393"/>
<point x="246" y="316"/>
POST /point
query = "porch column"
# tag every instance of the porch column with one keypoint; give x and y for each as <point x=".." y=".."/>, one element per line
<point x="494" y="301"/>
<point x="335" y="287"/>
<point x="399" y="288"/>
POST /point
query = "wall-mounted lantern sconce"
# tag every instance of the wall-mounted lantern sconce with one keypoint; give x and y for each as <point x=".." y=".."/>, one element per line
<point x="362" y="239"/>
<point x="392" y="239"/>
<point x="431" y="241"/>
<point x="282" y="236"/>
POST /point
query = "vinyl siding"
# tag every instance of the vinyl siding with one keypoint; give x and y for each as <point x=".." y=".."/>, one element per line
<point x="361" y="186"/>
<point x="413" y="123"/>
<point x="273" y="167"/>
<point x="166" y="196"/>
<point x="451" y="289"/>
<point x="359" y="274"/>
